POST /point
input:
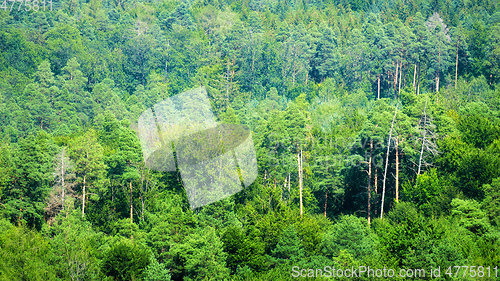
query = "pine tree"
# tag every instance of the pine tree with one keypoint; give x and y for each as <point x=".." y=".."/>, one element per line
<point x="89" y="169"/>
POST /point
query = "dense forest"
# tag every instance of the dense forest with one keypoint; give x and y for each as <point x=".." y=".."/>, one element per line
<point x="376" y="126"/>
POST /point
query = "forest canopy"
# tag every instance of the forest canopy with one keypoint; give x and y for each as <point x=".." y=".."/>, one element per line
<point x="376" y="126"/>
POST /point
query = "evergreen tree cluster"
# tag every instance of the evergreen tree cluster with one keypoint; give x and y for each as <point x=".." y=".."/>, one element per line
<point x="376" y="126"/>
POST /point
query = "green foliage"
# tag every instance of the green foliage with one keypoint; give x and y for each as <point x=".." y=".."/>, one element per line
<point x="169" y="223"/>
<point x="430" y="253"/>
<point x="431" y="193"/>
<point x="314" y="79"/>
<point x="25" y="255"/>
<point x="63" y="42"/>
<point x="156" y="271"/>
<point x="200" y="256"/>
<point x="125" y="261"/>
<point x="24" y="199"/>
<point x="219" y="215"/>
<point x="398" y="234"/>
<point x="289" y="250"/>
<point x="352" y="235"/>
<point x="470" y="215"/>
<point x="478" y="131"/>
<point x="491" y="202"/>
<point x="271" y="226"/>
<point x="76" y="248"/>
<point x="86" y="153"/>
<point x="477" y="168"/>
<point x="243" y="250"/>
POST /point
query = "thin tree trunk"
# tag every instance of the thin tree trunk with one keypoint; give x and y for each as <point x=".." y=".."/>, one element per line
<point x="418" y="80"/>
<point x="142" y="194"/>
<point x="400" y="74"/>
<point x="253" y="61"/>
<point x="288" y="183"/>
<point x="388" y="83"/>
<point x="414" y="78"/>
<point x="375" y="182"/>
<point x="437" y="83"/>
<point x="294" y="68"/>
<point x="62" y="178"/>
<point x="423" y="139"/>
<point x="396" y="80"/>
<point x="386" y="164"/>
<point x="456" y="67"/>
<point x="166" y="69"/>
<point x="142" y="205"/>
<point x="404" y="82"/>
<point x="227" y="80"/>
<point x="83" y="205"/>
<point x="326" y="201"/>
<point x="299" y="160"/>
<point x="369" y="182"/>
<point x="378" y="86"/>
<point x="397" y="170"/>
<point x="131" y="206"/>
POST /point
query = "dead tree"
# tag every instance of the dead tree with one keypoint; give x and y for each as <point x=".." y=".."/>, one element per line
<point x="427" y="140"/>
<point x="62" y="184"/>
<point x="386" y="163"/>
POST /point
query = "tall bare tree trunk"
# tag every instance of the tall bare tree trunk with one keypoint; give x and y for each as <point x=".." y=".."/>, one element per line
<point x="414" y="78"/>
<point x="288" y="183"/>
<point x="299" y="160"/>
<point x="83" y="205"/>
<point x="142" y="205"/>
<point x="375" y="182"/>
<point x="400" y="74"/>
<point x="62" y="178"/>
<point x="253" y="62"/>
<point x="386" y="164"/>
<point x="142" y="195"/>
<point x="423" y="139"/>
<point x="388" y="83"/>
<point x="456" y="67"/>
<point x="326" y="201"/>
<point x="131" y="206"/>
<point x="437" y="83"/>
<point x="396" y="80"/>
<point x="418" y="80"/>
<point x="227" y="80"/>
<point x="369" y="207"/>
<point x="378" y="86"/>
<point x="397" y="169"/>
